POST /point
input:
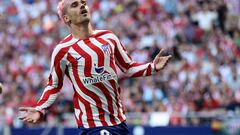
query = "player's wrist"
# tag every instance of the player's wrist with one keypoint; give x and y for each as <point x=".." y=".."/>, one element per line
<point x="155" y="67"/>
<point x="154" y="70"/>
<point x="41" y="114"/>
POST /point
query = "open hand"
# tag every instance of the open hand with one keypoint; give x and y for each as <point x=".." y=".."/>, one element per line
<point x="29" y="115"/>
<point x="161" y="61"/>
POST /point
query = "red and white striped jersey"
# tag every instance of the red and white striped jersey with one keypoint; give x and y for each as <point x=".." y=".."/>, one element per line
<point x="90" y="64"/>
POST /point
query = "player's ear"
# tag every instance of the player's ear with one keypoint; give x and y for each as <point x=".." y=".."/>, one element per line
<point x="66" y="19"/>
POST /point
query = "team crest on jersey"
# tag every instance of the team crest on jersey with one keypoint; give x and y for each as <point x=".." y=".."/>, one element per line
<point x="106" y="48"/>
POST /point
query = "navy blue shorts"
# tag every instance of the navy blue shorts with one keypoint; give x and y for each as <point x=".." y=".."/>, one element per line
<point x="120" y="129"/>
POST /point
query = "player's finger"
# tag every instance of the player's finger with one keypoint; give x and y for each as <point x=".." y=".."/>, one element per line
<point x="166" y="57"/>
<point x="21" y="118"/>
<point x="160" y="53"/>
<point x="30" y="120"/>
<point x="169" y="56"/>
<point x="25" y="119"/>
<point x="34" y="121"/>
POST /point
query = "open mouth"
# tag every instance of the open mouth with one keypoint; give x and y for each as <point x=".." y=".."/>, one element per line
<point x="84" y="12"/>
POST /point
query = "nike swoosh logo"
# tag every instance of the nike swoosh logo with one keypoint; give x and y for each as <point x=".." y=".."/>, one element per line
<point x="78" y="58"/>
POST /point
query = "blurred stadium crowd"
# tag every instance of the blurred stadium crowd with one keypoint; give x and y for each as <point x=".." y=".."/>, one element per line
<point x="202" y="36"/>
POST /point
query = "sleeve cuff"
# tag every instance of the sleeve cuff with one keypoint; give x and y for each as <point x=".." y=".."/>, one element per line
<point x="153" y="66"/>
<point x="43" y="112"/>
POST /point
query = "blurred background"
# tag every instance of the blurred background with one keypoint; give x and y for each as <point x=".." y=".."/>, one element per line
<point x="199" y="89"/>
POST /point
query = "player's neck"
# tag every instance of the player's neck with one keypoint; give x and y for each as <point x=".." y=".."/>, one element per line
<point x="82" y="31"/>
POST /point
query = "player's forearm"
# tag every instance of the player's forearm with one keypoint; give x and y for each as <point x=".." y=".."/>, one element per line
<point x="140" y="70"/>
<point x="48" y="97"/>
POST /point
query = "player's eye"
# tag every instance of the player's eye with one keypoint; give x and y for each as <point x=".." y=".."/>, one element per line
<point x="84" y="2"/>
<point x="74" y="4"/>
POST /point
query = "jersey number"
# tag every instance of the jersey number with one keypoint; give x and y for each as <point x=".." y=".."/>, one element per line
<point x="104" y="132"/>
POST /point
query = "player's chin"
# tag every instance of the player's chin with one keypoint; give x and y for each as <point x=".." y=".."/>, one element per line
<point x="85" y="20"/>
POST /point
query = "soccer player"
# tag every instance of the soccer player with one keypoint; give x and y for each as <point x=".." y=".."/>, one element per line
<point x="89" y="58"/>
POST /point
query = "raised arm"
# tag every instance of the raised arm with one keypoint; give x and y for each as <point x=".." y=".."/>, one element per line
<point x="135" y="69"/>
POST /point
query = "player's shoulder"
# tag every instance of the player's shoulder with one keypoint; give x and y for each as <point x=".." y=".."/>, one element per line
<point x="65" y="43"/>
<point x="66" y="39"/>
<point x="102" y="32"/>
<point x="105" y="33"/>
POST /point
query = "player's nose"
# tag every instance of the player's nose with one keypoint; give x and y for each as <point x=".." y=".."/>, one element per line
<point x="82" y="6"/>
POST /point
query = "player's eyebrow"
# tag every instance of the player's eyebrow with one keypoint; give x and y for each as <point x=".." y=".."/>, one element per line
<point x="76" y="2"/>
<point x="72" y="4"/>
